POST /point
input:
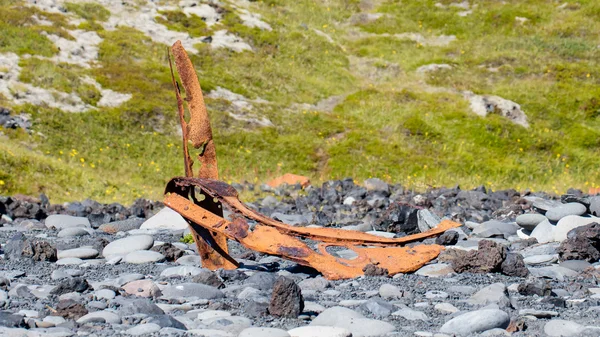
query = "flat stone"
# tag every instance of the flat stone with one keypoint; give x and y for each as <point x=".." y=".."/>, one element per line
<point x="189" y="260"/>
<point x="121" y="225"/>
<point x="495" y="228"/>
<point x="69" y="261"/>
<point x="100" y="317"/>
<point x="231" y="324"/>
<point x="209" y="333"/>
<point x="538" y="313"/>
<point x="81" y="253"/>
<point x="540" y="259"/>
<point x="529" y="221"/>
<point x="319" y="331"/>
<point x="72" y="232"/>
<point x="212" y="314"/>
<point x="143" y="329"/>
<point x="542" y="204"/>
<point x="314" y="283"/>
<point x="436" y="294"/>
<point x="543" y="232"/>
<point x="181" y="271"/>
<point x="106" y="294"/>
<point x="476" y="321"/>
<point x="263" y="332"/>
<point x="567" y="223"/>
<point x="390" y="291"/>
<point x="553" y="272"/>
<point x="446" y="308"/>
<point x="435" y="270"/>
<point x="144" y="256"/>
<point x="353" y="321"/>
<point x="62" y="221"/>
<point x="54" y="320"/>
<point x="188" y="290"/>
<point x="575" y="265"/>
<point x="128" y="245"/>
<point x="166" y="218"/>
<point x="142" y="288"/>
<point x="411" y="315"/>
<point x="540" y="249"/>
<point x="494" y="293"/>
<point x="561" y="327"/>
<point x="572" y="208"/>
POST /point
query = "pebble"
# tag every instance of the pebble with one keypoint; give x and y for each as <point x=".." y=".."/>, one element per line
<point x="435" y="270"/>
<point x="209" y="333"/>
<point x="121" y="226"/>
<point x="353" y="321"/>
<point x="319" y="331"/>
<point x="535" y="260"/>
<point x="436" y="294"/>
<point x="212" y="314"/>
<point x="572" y="208"/>
<point x="81" y="253"/>
<point x="446" y="308"/>
<point x="72" y="231"/>
<point x="189" y="290"/>
<point x="543" y="232"/>
<point x="538" y="313"/>
<point x="69" y="261"/>
<point x="166" y="218"/>
<point x="54" y="320"/>
<point x="181" y="271"/>
<point x="390" y="291"/>
<point x="529" y="221"/>
<point x="143" y="329"/>
<point x="144" y="256"/>
<point x="106" y="294"/>
<point x="189" y="260"/>
<point x="566" y="224"/>
<point x="561" y="327"/>
<point x="575" y="265"/>
<point x="100" y="316"/>
<point x="476" y="321"/>
<point x="554" y="272"/>
<point x="263" y="332"/>
<point x="128" y="245"/>
<point x="62" y="221"/>
<point x="494" y="293"/>
<point x="411" y="315"/>
<point x="142" y="288"/>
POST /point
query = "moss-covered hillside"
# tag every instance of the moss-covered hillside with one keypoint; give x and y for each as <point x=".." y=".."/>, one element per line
<point x="328" y="89"/>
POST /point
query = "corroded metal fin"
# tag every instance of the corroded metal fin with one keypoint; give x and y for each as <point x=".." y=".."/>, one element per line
<point x="276" y="238"/>
<point x="198" y="133"/>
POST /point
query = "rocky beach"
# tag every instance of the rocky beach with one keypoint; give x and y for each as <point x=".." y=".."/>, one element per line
<point x="521" y="264"/>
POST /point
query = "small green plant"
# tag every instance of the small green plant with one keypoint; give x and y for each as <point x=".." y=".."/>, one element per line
<point x="188" y="238"/>
<point x="88" y="10"/>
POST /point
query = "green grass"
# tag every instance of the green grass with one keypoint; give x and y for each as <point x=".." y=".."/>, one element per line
<point x="392" y="125"/>
<point x="88" y="10"/>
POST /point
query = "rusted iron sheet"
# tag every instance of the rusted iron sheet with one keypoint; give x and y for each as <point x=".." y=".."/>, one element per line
<point x="212" y="247"/>
<point x="277" y="238"/>
<point x="200" y="200"/>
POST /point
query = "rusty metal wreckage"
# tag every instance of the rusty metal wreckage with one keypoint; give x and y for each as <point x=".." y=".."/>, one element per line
<point x="200" y="200"/>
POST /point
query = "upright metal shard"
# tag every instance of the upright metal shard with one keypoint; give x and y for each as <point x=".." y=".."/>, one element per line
<point x="212" y="246"/>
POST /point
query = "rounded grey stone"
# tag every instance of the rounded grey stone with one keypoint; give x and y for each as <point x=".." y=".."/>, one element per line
<point x="143" y="329"/>
<point x="144" y="256"/>
<point x="128" y="245"/>
<point x="72" y="231"/>
<point x="476" y="321"/>
<point x="529" y="221"/>
<point x="81" y="253"/>
<point x="572" y="208"/>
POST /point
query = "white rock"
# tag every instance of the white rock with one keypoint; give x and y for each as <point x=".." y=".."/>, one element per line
<point x="320" y="331"/>
<point x="54" y="320"/>
<point x="73" y="231"/>
<point x="561" y="327"/>
<point x="212" y="314"/>
<point x="435" y="270"/>
<point x="144" y="256"/>
<point x="69" y="261"/>
<point x="446" y="308"/>
<point x="387" y="291"/>
<point x="209" y="333"/>
<point x="411" y="315"/>
<point x="189" y="260"/>
<point x="105" y="294"/>
<point x="543" y="232"/>
<point x="494" y="293"/>
<point x="263" y="332"/>
<point x="143" y="329"/>
<point x="128" y="245"/>
<point x="569" y="222"/>
<point x="540" y="259"/>
<point x="476" y="321"/>
<point x="62" y="221"/>
<point x="353" y="321"/>
<point x="81" y="253"/>
<point x="100" y="316"/>
<point x="181" y="271"/>
<point x="166" y="218"/>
